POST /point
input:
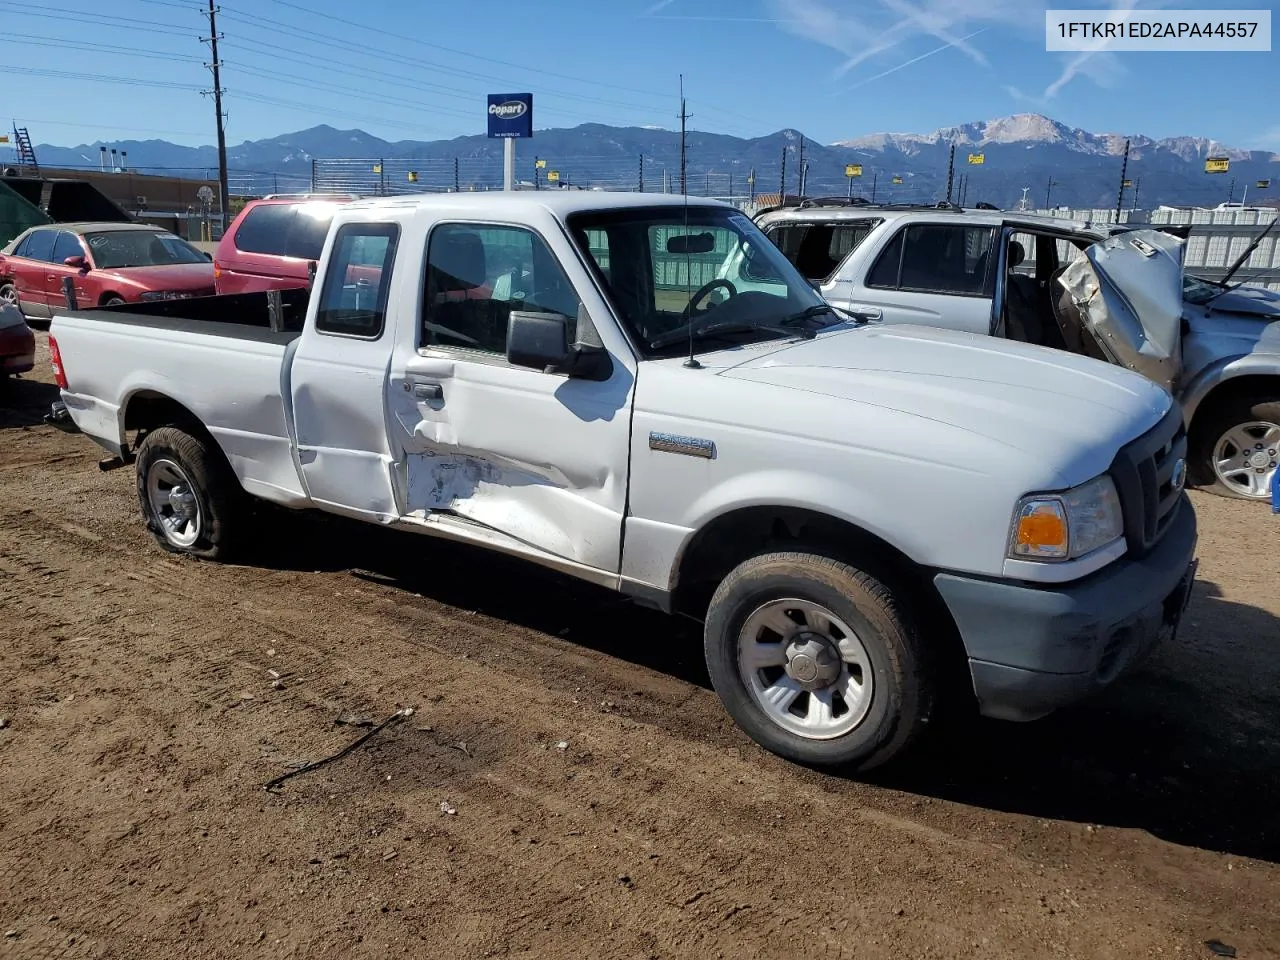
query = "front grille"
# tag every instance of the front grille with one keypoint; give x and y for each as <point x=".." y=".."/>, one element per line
<point x="1150" y="482"/>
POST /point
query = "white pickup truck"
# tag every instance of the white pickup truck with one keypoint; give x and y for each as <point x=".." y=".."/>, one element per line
<point x="854" y="511"/>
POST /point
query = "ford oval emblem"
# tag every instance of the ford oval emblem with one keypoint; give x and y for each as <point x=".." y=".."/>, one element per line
<point x="508" y="110"/>
<point x="1179" y="476"/>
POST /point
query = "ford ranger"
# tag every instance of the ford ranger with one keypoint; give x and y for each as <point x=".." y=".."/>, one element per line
<point x="852" y="510"/>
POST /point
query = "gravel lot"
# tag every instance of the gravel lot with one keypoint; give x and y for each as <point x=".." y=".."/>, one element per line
<point x="567" y="785"/>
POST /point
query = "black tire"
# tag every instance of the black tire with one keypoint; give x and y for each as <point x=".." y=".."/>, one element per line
<point x="902" y="696"/>
<point x="1214" y="424"/>
<point x="222" y="503"/>
<point x="113" y="302"/>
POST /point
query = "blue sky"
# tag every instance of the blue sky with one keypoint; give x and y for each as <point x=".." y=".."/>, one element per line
<point x="402" y="69"/>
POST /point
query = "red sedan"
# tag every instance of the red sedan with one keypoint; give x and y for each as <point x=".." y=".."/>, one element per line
<point x="108" y="263"/>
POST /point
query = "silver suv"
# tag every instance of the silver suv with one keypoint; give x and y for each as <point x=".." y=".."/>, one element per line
<point x="1113" y="293"/>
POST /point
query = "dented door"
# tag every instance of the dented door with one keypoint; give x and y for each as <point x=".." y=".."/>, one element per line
<point x="538" y="457"/>
<point x="1127" y="290"/>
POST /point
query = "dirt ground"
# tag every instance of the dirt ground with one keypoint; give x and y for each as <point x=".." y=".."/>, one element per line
<point x="568" y="785"/>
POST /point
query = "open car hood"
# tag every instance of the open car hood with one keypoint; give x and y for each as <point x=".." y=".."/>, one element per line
<point x="1126" y="293"/>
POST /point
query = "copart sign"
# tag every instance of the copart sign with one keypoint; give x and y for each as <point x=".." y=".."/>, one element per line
<point x="510" y="115"/>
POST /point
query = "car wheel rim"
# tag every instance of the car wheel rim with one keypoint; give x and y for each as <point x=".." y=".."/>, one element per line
<point x="1245" y="457"/>
<point x="805" y="668"/>
<point x="173" y="503"/>
<point x="8" y="294"/>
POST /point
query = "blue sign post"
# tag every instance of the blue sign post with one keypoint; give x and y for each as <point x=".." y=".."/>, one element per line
<point x="510" y="119"/>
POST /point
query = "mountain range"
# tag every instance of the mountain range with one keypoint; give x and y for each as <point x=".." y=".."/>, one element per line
<point x="1074" y="166"/>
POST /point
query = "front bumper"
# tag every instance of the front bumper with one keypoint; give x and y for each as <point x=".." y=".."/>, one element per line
<point x="17" y="349"/>
<point x="1034" y="649"/>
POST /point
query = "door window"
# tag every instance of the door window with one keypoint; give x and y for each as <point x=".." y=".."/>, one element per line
<point x="478" y="274"/>
<point x="353" y="301"/>
<point x="265" y="228"/>
<point x="935" y="258"/>
<point x="39" y="246"/>
<point x="817" y="249"/>
<point x="67" y="245"/>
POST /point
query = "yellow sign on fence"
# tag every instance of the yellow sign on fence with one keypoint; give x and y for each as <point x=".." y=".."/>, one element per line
<point x="4" y="138"/>
<point x="1126" y="184"/>
<point x="897" y="179"/>
<point x="1263" y="184"/>
<point x="977" y="159"/>
<point x="377" y="168"/>
<point x="413" y="176"/>
<point x="553" y="176"/>
<point x="1217" y="165"/>
<point x="853" y="169"/>
<point x="540" y="164"/>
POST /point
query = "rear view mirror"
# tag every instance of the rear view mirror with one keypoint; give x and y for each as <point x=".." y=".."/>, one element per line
<point x="76" y="263"/>
<point x="537" y="340"/>
<point x="541" y="341"/>
<point x="691" y="243"/>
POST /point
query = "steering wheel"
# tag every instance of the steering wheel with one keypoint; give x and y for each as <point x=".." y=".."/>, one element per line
<point x="702" y="293"/>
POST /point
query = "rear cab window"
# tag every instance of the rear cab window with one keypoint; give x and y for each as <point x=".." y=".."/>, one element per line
<point x="817" y="249"/>
<point x="947" y="258"/>
<point x="353" y="300"/>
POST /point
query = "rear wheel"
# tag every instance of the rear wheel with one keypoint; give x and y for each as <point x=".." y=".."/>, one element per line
<point x="817" y="661"/>
<point x="1238" y="448"/>
<point x="9" y="294"/>
<point x="191" y="501"/>
<point x="113" y="301"/>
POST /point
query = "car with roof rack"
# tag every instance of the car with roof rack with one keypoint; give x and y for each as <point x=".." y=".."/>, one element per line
<point x="1107" y="291"/>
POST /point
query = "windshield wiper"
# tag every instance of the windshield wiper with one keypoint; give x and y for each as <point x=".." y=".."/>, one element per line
<point x="712" y="329"/>
<point x="817" y="310"/>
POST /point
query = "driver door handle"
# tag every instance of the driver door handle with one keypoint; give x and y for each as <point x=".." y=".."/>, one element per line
<point x="428" y="391"/>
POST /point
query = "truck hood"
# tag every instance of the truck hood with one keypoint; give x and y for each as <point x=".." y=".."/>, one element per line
<point x="1044" y="403"/>
<point x="1126" y="292"/>
<point x="171" y="276"/>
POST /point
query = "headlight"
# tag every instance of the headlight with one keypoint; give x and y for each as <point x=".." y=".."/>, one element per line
<point x="1067" y="525"/>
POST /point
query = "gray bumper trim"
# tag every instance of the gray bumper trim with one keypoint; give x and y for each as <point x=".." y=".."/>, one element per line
<point x="1033" y="649"/>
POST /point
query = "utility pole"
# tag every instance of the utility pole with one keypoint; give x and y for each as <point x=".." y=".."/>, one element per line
<point x="216" y="67"/>
<point x="1124" y="170"/>
<point x="782" y="187"/>
<point x="875" y="175"/>
<point x="1137" y="185"/>
<point x="731" y="186"/>
<point x="684" y="117"/>
<point x="751" y="179"/>
<point x="457" y="184"/>
<point x="800" y="167"/>
<point x="951" y="170"/>
<point x="1231" y="190"/>
<point x="640" y="179"/>
<point x="1048" y="190"/>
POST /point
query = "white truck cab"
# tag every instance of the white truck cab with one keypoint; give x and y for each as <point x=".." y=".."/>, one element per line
<point x="851" y="509"/>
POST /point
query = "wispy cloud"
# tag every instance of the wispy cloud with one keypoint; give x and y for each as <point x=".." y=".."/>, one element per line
<point x="902" y="66"/>
<point x="660" y="5"/>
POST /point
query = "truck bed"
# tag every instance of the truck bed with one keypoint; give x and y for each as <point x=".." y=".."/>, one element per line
<point x="217" y="357"/>
<point x="244" y="316"/>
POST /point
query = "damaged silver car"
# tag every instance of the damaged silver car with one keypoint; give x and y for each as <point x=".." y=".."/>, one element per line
<point x="1116" y="294"/>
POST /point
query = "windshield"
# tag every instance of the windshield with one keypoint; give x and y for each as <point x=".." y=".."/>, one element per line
<point x="708" y="269"/>
<point x="139" y="248"/>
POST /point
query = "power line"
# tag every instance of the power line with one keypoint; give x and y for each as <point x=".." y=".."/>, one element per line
<point x="465" y="53"/>
<point x="94" y="18"/>
<point x="101" y="78"/>
<point x="33" y="40"/>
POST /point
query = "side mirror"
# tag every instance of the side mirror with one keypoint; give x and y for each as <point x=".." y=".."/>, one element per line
<point x="541" y="341"/>
<point x="76" y="263"/>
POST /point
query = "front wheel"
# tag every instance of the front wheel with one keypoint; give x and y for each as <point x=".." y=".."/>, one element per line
<point x="1238" y="448"/>
<point x="191" y="501"/>
<point x="817" y="662"/>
